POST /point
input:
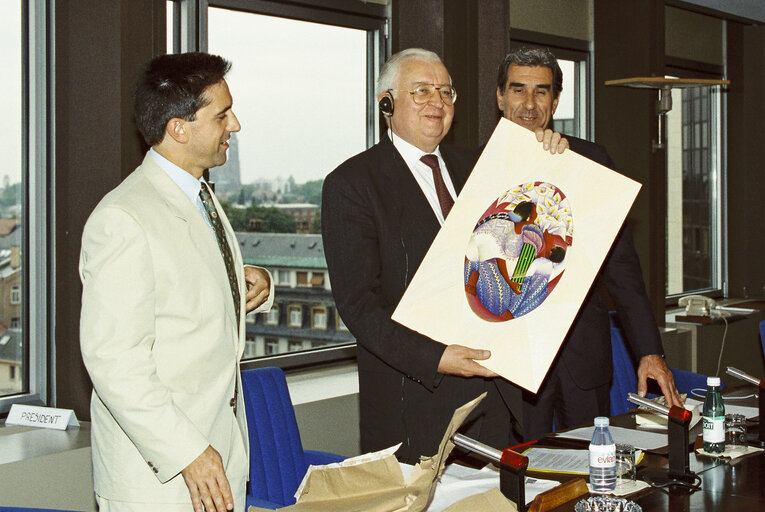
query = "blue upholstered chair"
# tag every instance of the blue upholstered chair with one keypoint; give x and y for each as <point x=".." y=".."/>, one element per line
<point x="625" y="377"/>
<point x="762" y="336"/>
<point x="277" y="459"/>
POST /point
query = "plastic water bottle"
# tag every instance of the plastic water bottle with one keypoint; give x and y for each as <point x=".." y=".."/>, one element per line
<point x="713" y="418"/>
<point x="602" y="458"/>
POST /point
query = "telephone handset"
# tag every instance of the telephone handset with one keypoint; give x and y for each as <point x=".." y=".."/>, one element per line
<point x="698" y="305"/>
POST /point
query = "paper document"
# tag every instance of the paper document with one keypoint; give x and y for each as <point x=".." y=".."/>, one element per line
<point x="656" y="421"/>
<point x="637" y="438"/>
<point x="561" y="460"/>
<point x="555" y="460"/>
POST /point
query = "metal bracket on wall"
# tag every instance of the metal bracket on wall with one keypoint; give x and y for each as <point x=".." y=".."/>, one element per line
<point x="664" y="103"/>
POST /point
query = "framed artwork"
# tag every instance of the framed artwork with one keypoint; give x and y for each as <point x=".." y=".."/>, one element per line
<point x="518" y="253"/>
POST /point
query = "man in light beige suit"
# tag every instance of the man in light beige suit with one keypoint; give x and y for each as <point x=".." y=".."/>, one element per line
<point x="162" y="326"/>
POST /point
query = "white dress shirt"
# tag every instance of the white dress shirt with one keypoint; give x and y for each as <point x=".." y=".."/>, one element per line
<point x="424" y="174"/>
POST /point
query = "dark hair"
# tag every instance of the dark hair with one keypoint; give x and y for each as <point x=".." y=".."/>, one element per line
<point x="526" y="56"/>
<point x="174" y="86"/>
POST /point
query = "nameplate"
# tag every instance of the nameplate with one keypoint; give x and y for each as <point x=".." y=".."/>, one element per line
<point x="44" y="417"/>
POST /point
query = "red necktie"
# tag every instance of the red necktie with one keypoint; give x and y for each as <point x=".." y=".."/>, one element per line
<point x="444" y="197"/>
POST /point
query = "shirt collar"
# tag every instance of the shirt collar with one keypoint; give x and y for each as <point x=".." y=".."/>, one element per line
<point x="409" y="152"/>
<point x="185" y="181"/>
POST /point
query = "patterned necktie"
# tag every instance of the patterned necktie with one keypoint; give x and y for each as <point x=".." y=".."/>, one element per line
<point x="225" y="250"/>
<point x="444" y="197"/>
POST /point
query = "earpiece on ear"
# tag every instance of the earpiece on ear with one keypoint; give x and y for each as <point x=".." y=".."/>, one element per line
<point x="386" y="105"/>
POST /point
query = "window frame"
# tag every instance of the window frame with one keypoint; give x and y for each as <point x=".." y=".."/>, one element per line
<point x="292" y="308"/>
<point x="189" y="22"/>
<point x="190" y="31"/>
<point x="284" y="277"/>
<point x="686" y="68"/>
<point x="37" y="140"/>
<point x="269" y="342"/>
<point x="273" y="312"/>
<point x="319" y="310"/>
<point x="339" y="323"/>
<point x="15" y="295"/>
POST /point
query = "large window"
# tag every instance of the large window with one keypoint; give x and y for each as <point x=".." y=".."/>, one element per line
<point x="694" y="170"/>
<point x="23" y="319"/>
<point x="302" y="81"/>
<point x="570" y="117"/>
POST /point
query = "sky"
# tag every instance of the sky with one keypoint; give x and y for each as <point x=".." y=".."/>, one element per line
<point x="299" y="92"/>
<point x="10" y="89"/>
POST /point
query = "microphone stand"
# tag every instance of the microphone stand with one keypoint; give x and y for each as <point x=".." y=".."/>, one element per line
<point x="512" y="468"/>
<point x="756" y="439"/>
<point x="678" y="423"/>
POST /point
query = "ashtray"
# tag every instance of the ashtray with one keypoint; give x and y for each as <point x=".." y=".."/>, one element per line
<point x="607" y="504"/>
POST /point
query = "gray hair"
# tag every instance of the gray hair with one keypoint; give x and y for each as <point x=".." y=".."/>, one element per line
<point x="390" y="70"/>
<point x="526" y="56"/>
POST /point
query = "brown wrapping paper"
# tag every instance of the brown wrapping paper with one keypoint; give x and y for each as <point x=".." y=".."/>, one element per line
<point x="377" y="485"/>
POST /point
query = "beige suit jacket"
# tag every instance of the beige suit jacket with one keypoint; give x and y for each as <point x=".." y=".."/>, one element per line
<point x="160" y="341"/>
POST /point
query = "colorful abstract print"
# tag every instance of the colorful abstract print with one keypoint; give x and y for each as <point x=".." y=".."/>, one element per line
<point x="517" y="252"/>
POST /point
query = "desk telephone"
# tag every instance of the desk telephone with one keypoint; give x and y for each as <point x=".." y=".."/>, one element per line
<point x="699" y="305"/>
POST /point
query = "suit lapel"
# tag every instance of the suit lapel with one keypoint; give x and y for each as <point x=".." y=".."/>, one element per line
<point x="404" y="191"/>
<point x="416" y="220"/>
<point x="199" y="232"/>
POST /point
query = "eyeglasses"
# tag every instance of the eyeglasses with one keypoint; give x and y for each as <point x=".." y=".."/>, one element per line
<point x="423" y="92"/>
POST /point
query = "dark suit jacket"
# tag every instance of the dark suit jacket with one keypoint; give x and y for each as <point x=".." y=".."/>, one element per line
<point x="586" y="353"/>
<point x="377" y="226"/>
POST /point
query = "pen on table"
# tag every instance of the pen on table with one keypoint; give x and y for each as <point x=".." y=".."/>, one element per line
<point x="522" y="445"/>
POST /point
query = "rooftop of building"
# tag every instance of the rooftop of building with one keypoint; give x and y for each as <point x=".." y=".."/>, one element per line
<point x="282" y="250"/>
<point x="7" y="226"/>
<point x="11" y="239"/>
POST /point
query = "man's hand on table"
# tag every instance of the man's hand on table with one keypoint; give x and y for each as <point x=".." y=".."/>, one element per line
<point x="461" y="360"/>
<point x="654" y="367"/>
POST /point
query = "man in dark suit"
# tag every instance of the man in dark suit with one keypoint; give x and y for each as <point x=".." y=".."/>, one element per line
<point x="529" y="82"/>
<point x="381" y="210"/>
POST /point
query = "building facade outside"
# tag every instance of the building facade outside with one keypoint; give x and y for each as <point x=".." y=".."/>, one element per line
<point x="304" y="214"/>
<point x="304" y="316"/>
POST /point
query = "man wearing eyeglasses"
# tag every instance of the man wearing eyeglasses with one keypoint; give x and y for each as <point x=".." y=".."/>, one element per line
<point x="381" y="210"/>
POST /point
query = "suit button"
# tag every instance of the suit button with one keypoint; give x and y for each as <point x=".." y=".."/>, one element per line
<point x="232" y="403"/>
<point x="156" y="470"/>
<point x="150" y="464"/>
